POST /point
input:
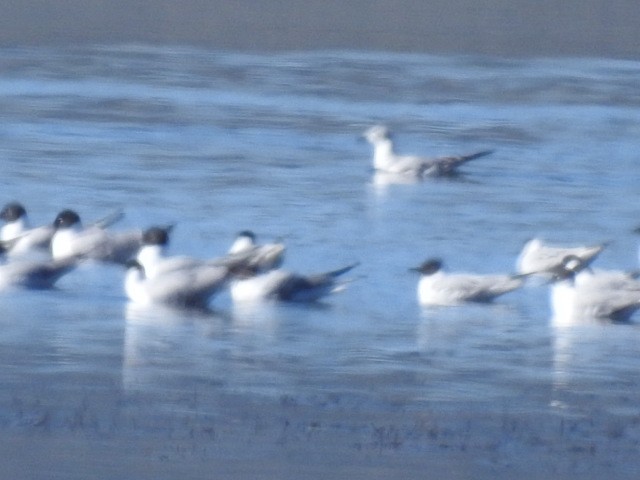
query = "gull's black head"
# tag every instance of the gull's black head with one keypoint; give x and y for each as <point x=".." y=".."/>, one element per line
<point x="156" y="236"/>
<point x="429" y="267"/>
<point x="12" y="212"/>
<point x="248" y="234"/>
<point x="570" y="266"/>
<point x="66" y="219"/>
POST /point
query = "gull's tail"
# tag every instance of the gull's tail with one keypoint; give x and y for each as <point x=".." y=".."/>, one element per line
<point x="449" y="165"/>
<point x="341" y="271"/>
<point x="472" y="156"/>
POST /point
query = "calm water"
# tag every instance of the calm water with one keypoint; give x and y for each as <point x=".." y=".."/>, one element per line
<point x="223" y="142"/>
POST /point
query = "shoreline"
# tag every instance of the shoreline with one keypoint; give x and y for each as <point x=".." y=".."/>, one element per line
<point x="240" y="436"/>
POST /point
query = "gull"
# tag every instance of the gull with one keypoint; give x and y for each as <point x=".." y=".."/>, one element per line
<point x="573" y="301"/>
<point x="152" y="255"/>
<point x="262" y="257"/>
<point x="34" y="274"/>
<point x="18" y="234"/>
<point x="386" y="160"/>
<point x="249" y="285"/>
<point x="94" y="242"/>
<point x="437" y="287"/>
<point x="540" y="258"/>
<point x="191" y="287"/>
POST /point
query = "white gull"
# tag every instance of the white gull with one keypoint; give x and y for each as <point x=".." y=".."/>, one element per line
<point x="34" y="274"/>
<point x="437" y="287"/>
<point x="263" y="257"/>
<point x="386" y="160"/>
<point x="181" y="287"/>
<point x="19" y="236"/>
<point x="94" y="242"/>
<point x="574" y="300"/>
<point x="249" y="285"/>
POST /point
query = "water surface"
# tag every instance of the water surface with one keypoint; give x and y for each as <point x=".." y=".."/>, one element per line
<point x="221" y="142"/>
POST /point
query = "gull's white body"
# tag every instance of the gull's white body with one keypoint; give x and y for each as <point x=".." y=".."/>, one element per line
<point x="286" y="286"/>
<point x="23" y="239"/>
<point x="442" y="288"/>
<point x="580" y="296"/>
<point x="156" y="262"/>
<point x="386" y="160"/>
<point x="260" y="257"/>
<point x="33" y="274"/>
<point x="182" y="287"/>
<point x="95" y="243"/>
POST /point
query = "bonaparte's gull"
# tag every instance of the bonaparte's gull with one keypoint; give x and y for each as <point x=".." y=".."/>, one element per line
<point x="248" y="285"/>
<point x="181" y="287"/>
<point x="152" y="254"/>
<point x="574" y="301"/>
<point x="94" y="242"/>
<point x="385" y="159"/>
<point x="34" y="274"/>
<point x="437" y="287"/>
<point x="18" y="234"/>
<point x="261" y="257"/>
<point x="538" y="257"/>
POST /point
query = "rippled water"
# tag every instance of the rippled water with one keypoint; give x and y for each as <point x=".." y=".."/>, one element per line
<point x="221" y="142"/>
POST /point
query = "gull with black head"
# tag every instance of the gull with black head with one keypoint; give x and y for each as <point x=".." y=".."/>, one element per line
<point x="437" y="287"/>
<point x="19" y="236"/>
<point x="261" y="258"/>
<point x="191" y="287"/>
<point x="94" y="242"/>
<point x="574" y="300"/>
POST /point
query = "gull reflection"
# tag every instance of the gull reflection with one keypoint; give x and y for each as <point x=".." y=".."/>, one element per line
<point x="256" y="316"/>
<point x="161" y="344"/>
<point x="579" y="347"/>
<point x="382" y="182"/>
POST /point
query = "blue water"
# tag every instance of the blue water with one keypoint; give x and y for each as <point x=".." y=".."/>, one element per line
<point x="221" y="142"/>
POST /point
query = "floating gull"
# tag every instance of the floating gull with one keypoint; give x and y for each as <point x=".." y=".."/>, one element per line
<point x="94" y="242"/>
<point x="251" y="286"/>
<point x="537" y="257"/>
<point x="153" y="256"/>
<point x="18" y="234"/>
<point x="386" y="160"/>
<point x="261" y="257"/>
<point x="34" y="274"/>
<point x="575" y="301"/>
<point x="437" y="287"/>
<point x="182" y="287"/>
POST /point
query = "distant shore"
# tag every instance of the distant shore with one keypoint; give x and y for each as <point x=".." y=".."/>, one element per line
<point x="593" y="28"/>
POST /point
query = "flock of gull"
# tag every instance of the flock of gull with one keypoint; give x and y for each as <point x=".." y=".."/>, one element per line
<point x="37" y="257"/>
